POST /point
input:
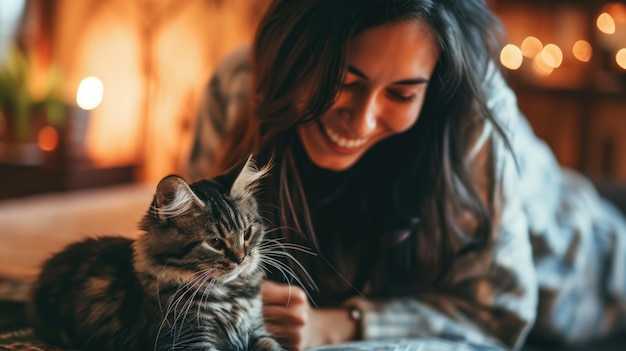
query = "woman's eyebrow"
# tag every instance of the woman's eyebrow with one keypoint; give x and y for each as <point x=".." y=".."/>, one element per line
<point x="412" y="81"/>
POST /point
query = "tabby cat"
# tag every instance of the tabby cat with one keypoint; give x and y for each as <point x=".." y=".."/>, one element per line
<point x="191" y="280"/>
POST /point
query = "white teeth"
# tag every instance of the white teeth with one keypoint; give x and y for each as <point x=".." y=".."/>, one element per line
<point x="343" y="142"/>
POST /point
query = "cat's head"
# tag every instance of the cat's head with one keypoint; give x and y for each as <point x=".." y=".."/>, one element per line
<point x="205" y="231"/>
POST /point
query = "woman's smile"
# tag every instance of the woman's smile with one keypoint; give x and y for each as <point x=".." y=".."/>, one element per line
<point x="342" y="141"/>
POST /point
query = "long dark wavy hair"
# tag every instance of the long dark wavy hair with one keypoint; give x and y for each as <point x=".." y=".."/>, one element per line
<point x="426" y="185"/>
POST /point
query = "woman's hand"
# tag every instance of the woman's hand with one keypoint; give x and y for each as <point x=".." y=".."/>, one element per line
<point x="290" y="318"/>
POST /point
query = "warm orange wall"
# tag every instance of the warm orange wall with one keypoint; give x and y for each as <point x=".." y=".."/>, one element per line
<point x="147" y="119"/>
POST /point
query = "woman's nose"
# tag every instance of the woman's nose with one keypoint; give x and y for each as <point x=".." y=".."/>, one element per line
<point x="365" y="116"/>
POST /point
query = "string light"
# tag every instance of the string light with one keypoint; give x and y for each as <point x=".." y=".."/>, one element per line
<point x="552" y="55"/>
<point x="620" y="58"/>
<point x="531" y="46"/>
<point x="582" y="51"/>
<point x="541" y="67"/>
<point x="511" y="57"/>
<point x="605" y="23"/>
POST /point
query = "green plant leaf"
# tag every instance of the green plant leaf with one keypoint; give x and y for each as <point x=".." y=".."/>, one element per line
<point x="16" y="101"/>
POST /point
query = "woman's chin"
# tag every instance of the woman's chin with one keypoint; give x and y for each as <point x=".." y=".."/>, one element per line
<point x="337" y="164"/>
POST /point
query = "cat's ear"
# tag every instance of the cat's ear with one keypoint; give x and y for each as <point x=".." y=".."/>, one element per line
<point x="242" y="179"/>
<point x="247" y="179"/>
<point x="174" y="197"/>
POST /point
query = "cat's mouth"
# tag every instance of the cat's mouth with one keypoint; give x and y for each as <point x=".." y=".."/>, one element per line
<point x="227" y="275"/>
<point x="228" y="270"/>
<point x="225" y="272"/>
<point x="215" y="275"/>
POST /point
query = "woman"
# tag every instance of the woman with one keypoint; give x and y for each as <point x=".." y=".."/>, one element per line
<point x="400" y="158"/>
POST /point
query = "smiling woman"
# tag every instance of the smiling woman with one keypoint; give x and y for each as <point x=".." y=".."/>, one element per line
<point x="376" y="99"/>
<point x="401" y="159"/>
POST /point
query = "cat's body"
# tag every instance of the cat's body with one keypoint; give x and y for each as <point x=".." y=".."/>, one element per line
<point x="190" y="282"/>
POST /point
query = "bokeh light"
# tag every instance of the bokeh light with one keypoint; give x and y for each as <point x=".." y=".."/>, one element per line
<point x="89" y="93"/>
<point x="531" y="46"/>
<point x="511" y="57"/>
<point x="582" y="50"/>
<point x="48" y="138"/>
<point x="605" y="23"/>
<point x="541" y="67"/>
<point x="552" y="55"/>
<point x="620" y="58"/>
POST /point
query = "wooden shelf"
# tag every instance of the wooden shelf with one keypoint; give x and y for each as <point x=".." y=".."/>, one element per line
<point x="23" y="180"/>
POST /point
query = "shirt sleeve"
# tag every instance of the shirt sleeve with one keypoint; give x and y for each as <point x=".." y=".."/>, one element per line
<point x="222" y="100"/>
<point x="491" y="297"/>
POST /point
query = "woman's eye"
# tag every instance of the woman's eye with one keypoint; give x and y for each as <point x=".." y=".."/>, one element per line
<point x="349" y="85"/>
<point x="402" y="97"/>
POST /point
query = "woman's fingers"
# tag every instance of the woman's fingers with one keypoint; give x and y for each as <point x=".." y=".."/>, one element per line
<point x="274" y="293"/>
<point x="281" y="315"/>
<point x="286" y="312"/>
<point x="284" y="304"/>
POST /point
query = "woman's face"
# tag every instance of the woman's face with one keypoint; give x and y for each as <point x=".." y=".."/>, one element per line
<point x="383" y="91"/>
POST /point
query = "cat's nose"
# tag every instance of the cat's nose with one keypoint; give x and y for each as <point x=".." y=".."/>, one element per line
<point x="238" y="257"/>
<point x="241" y="258"/>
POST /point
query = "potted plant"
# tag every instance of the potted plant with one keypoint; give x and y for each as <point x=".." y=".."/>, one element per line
<point x="24" y="111"/>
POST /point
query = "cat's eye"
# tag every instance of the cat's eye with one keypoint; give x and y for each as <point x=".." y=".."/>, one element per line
<point x="247" y="234"/>
<point x="216" y="243"/>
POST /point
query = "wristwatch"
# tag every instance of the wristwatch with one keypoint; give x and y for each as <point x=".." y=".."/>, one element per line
<point x="357" y="316"/>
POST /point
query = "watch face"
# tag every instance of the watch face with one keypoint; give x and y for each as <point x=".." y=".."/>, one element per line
<point x="355" y="314"/>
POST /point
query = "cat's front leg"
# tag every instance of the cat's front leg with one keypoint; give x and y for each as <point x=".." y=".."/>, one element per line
<point x="266" y="343"/>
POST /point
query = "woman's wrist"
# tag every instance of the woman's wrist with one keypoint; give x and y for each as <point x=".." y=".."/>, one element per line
<point x="357" y="317"/>
<point x="338" y="325"/>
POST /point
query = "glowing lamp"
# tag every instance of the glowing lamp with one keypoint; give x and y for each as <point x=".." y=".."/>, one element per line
<point x="89" y="93"/>
<point x="88" y="96"/>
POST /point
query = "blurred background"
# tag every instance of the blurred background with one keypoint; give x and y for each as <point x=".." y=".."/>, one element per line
<point x="98" y="101"/>
<point x="100" y="92"/>
<point x="103" y="92"/>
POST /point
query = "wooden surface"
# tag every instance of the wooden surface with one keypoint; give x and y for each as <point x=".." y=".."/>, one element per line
<point x="32" y="228"/>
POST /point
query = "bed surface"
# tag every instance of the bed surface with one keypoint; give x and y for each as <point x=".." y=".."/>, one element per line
<point x="33" y="228"/>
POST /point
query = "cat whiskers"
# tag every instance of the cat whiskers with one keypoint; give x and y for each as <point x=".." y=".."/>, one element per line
<point x="203" y="282"/>
<point x="356" y="290"/>
<point x="205" y="294"/>
<point x="198" y="281"/>
<point x="271" y="250"/>
<point x="203" y="278"/>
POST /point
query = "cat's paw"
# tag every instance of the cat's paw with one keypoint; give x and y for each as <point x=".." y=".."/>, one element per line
<point x="267" y="344"/>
